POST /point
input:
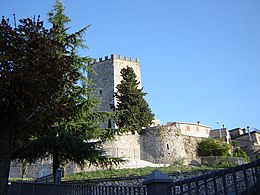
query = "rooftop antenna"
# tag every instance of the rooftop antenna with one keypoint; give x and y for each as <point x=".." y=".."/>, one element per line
<point x="220" y="134"/>
<point x="249" y="134"/>
<point x="14" y="20"/>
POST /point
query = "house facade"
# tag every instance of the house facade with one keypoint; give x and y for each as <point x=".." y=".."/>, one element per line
<point x="191" y="129"/>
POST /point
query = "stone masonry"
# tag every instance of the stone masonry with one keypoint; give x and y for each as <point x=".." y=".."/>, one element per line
<point x="107" y="76"/>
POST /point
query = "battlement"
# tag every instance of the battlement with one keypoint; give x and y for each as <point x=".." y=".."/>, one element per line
<point x="119" y="57"/>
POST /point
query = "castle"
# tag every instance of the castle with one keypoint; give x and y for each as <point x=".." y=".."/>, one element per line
<point x="158" y="144"/>
<point x="162" y="144"/>
<point x="107" y="76"/>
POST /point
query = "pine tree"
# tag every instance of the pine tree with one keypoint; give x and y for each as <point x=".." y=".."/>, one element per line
<point x="31" y="75"/>
<point x="132" y="112"/>
<point x="74" y="121"/>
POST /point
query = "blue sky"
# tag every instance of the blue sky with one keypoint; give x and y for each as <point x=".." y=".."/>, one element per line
<point x="200" y="59"/>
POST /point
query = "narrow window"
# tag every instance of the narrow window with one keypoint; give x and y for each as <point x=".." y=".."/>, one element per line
<point x="198" y="129"/>
<point x="187" y="128"/>
<point x="100" y="91"/>
<point x="109" y="124"/>
<point x="167" y="146"/>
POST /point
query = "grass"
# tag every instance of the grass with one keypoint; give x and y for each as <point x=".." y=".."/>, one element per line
<point x="20" y="179"/>
<point x="112" y="173"/>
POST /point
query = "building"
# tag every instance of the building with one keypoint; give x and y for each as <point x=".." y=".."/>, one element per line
<point x="191" y="129"/>
<point x="245" y="136"/>
<point x="222" y="133"/>
<point x="107" y="76"/>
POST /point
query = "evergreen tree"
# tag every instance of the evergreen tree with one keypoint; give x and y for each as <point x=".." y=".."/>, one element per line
<point x="77" y="123"/>
<point x="132" y="112"/>
<point x="31" y="75"/>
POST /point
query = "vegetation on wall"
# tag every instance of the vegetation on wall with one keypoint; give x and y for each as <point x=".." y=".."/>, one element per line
<point x="213" y="147"/>
<point x="216" y="147"/>
<point x="238" y="152"/>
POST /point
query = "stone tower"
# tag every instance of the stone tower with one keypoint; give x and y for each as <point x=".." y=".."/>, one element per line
<point x="107" y="76"/>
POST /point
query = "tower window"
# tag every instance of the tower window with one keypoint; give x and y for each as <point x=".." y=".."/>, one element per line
<point x="167" y="146"/>
<point x="100" y="91"/>
<point x="109" y="123"/>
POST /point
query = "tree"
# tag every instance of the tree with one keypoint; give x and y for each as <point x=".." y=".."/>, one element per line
<point x="213" y="147"/>
<point x="132" y="112"/>
<point x="31" y="74"/>
<point x="68" y="138"/>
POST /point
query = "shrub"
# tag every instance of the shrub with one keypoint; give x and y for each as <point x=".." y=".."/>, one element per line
<point x="238" y="152"/>
<point x="212" y="147"/>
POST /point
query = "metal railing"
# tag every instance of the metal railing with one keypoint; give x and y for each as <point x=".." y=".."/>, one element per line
<point x="243" y="179"/>
<point x="73" y="189"/>
<point x="237" y="180"/>
<point x="45" y="179"/>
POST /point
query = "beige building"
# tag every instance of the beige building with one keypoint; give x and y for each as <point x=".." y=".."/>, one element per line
<point x="242" y="135"/>
<point x="191" y="129"/>
<point x="220" y="134"/>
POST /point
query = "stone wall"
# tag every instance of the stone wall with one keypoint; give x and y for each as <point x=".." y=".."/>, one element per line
<point x="137" y="180"/>
<point x="253" y="151"/>
<point x="127" y="145"/>
<point x="161" y="144"/>
<point x="190" y="146"/>
<point x="38" y="169"/>
<point x="107" y="76"/>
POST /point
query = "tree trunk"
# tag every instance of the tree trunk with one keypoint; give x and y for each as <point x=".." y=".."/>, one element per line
<point x="55" y="163"/>
<point x="5" y="158"/>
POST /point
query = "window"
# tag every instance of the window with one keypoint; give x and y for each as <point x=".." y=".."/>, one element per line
<point x="100" y="91"/>
<point x="197" y="129"/>
<point x="109" y="123"/>
<point x="187" y="128"/>
<point x="167" y="146"/>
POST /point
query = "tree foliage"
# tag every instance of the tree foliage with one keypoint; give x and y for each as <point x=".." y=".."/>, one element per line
<point x="213" y="147"/>
<point x="44" y="95"/>
<point x="31" y="75"/>
<point x="132" y="112"/>
<point x="70" y="134"/>
<point x="238" y="152"/>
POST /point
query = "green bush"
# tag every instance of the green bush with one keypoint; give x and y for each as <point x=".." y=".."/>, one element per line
<point x="238" y="152"/>
<point x="212" y="147"/>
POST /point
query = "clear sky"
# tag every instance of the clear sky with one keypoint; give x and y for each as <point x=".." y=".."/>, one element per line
<point x="200" y="59"/>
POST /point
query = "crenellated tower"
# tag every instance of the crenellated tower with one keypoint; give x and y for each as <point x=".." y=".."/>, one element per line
<point x="107" y="76"/>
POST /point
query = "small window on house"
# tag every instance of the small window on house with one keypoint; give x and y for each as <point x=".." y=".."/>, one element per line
<point x="100" y="91"/>
<point x="167" y="146"/>
<point x="207" y="130"/>
<point x="197" y="129"/>
<point x="187" y="128"/>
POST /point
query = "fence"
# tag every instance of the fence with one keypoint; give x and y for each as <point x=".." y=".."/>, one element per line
<point x="237" y="180"/>
<point x="71" y="189"/>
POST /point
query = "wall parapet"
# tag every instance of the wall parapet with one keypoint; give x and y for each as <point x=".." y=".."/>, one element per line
<point x="119" y="57"/>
